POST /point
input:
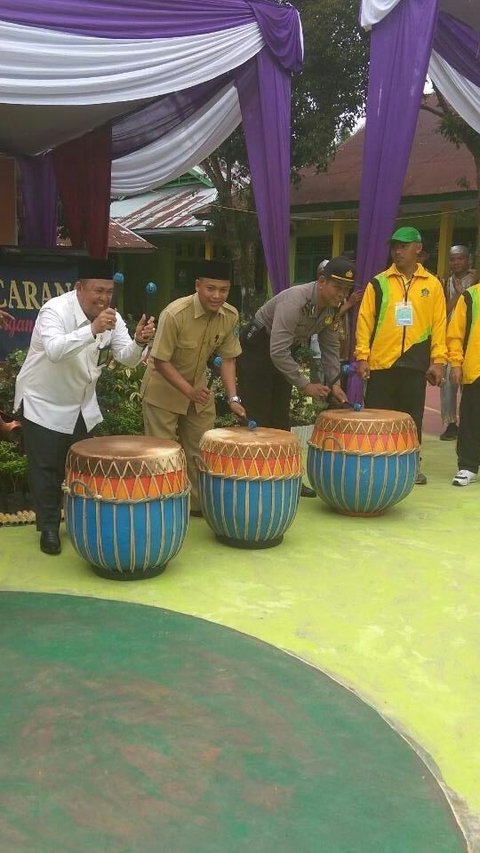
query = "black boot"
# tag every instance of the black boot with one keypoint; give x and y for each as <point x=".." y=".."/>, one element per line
<point x="305" y="492"/>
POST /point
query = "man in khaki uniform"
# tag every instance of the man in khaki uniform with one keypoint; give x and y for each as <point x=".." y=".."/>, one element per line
<point x="176" y="402"/>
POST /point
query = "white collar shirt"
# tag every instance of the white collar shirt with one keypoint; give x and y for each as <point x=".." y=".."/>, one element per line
<point x="58" y="378"/>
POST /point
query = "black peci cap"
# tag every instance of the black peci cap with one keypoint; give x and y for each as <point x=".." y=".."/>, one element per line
<point x="95" y="268"/>
<point x="220" y="270"/>
<point x="341" y="270"/>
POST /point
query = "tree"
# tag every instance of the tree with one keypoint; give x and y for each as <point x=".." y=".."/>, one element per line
<point x="454" y="128"/>
<point x="327" y="100"/>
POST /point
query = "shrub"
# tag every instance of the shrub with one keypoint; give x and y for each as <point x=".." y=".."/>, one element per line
<point x="13" y="468"/>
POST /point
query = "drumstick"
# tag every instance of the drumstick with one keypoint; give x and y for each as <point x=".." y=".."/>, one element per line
<point x="118" y="280"/>
<point x="213" y="363"/>
<point x="347" y="369"/>
<point x="248" y="422"/>
<point x="150" y="290"/>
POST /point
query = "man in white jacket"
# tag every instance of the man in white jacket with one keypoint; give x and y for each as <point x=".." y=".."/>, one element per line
<point x="74" y="337"/>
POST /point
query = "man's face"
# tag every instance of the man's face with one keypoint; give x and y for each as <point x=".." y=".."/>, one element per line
<point x="459" y="264"/>
<point x="405" y="254"/>
<point x="212" y="293"/>
<point x="333" y="293"/>
<point x="94" y="295"/>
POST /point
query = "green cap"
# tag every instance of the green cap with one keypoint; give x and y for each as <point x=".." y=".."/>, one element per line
<point x="407" y="234"/>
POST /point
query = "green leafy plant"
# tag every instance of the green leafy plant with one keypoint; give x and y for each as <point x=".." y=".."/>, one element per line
<point x="13" y="467"/>
<point x="8" y="374"/>
<point x="118" y="392"/>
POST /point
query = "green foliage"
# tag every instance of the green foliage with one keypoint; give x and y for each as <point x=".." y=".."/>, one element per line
<point x="329" y="96"/>
<point x="304" y="410"/>
<point x="13" y="467"/>
<point x="8" y="373"/>
<point x="118" y="392"/>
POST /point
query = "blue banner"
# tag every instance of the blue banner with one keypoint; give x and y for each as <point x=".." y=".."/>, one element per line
<point x="24" y="288"/>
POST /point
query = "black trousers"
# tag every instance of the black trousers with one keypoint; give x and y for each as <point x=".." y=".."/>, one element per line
<point x="46" y="452"/>
<point x="468" y="442"/>
<point x="399" y="388"/>
<point x="264" y="391"/>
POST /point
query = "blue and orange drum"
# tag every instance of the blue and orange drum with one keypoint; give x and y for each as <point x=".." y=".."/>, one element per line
<point x="249" y="484"/>
<point x="126" y="504"/>
<point x="361" y="463"/>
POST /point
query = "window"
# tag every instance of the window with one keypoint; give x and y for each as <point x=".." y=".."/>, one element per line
<point x="309" y="252"/>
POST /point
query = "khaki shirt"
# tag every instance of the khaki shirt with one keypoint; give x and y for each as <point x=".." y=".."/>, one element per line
<point x="186" y="337"/>
<point x="291" y="318"/>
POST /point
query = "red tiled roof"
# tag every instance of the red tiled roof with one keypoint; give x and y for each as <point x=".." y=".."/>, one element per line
<point x="120" y="239"/>
<point x="436" y="166"/>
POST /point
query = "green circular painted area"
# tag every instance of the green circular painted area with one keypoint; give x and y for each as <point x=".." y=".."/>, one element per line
<point x="134" y="729"/>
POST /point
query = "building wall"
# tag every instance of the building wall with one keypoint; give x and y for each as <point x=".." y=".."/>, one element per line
<point x="316" y="239"/>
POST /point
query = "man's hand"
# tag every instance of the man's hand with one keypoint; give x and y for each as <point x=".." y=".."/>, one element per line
<point x="456" y="375"/>
<point x="105" y="321"/>
<point x="435" y="374"/>
<point x="238" y="410"/>
<point x="363" y="369"/>
<point x="339" y="394"/>
<point x="145" y="330"/>
<point x="315" y="390"/>
<point x="200" y="394"/>
<point x="4" y="318"/>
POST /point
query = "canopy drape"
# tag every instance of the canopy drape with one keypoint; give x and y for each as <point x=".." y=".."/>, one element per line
<point x="409" y="38"/>
<point x="169" y="80"/>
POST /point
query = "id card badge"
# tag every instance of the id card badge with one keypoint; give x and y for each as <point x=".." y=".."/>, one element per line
<point x="403" y="314"/>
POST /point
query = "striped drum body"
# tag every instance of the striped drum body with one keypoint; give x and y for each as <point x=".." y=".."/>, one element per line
<point x="249" y="483"/>
<point x="126" y="504"/>
<point x="363" y="462"/>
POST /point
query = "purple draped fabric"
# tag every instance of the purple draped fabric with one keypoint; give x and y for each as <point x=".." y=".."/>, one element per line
<point x="399" y="55"/>
<point x="458" y="45"/>
<point x="39" y="198"/>
<point x="117" y="19"/>
<point x="264" y="94"/>
<point x="146" y="124"/>
<point x="264" y="87"/>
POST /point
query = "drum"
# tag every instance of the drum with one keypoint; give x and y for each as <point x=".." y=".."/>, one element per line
<point x="126" y="504"/>
<point x="363" y="462"/>
<point x="249" y="484"/>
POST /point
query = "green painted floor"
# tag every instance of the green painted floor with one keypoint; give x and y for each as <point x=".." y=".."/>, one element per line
<point x="388" y="606"/>
<point x="129" y="728"/>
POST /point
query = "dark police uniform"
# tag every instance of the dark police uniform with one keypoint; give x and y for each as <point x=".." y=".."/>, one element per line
<point x="267" y="368"/>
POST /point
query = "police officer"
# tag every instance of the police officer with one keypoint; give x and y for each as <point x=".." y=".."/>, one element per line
<point x="176" y="400"/>
<point x="267" y="368"/>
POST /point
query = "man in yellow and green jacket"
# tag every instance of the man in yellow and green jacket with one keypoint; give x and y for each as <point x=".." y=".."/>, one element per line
<point x="463" y="341"/>
<point x="401" y="332"/>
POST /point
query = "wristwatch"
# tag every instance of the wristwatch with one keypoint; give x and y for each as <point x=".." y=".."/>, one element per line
<point x="234" y="399"/>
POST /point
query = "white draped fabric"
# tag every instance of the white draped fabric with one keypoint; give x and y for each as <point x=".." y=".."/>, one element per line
<point x="43" y="67"/>
<point x="171" y="155"/>
<point x="374" y="11"/>
<point x="461" y="94"/>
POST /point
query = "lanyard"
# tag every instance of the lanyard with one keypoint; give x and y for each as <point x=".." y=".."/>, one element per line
<point x="406" y="288"/>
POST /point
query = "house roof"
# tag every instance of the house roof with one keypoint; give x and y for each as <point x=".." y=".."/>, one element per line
<point x="435" y="167"/>
<point x="169" y="207"/>
<point x="120" y="239"/>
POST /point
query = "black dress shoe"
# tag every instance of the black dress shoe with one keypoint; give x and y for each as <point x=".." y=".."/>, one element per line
<point x="305" y="492"/>
<point x="50" y="542"/>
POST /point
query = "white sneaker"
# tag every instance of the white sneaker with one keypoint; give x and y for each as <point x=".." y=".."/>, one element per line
<point x="463" y="478"/>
